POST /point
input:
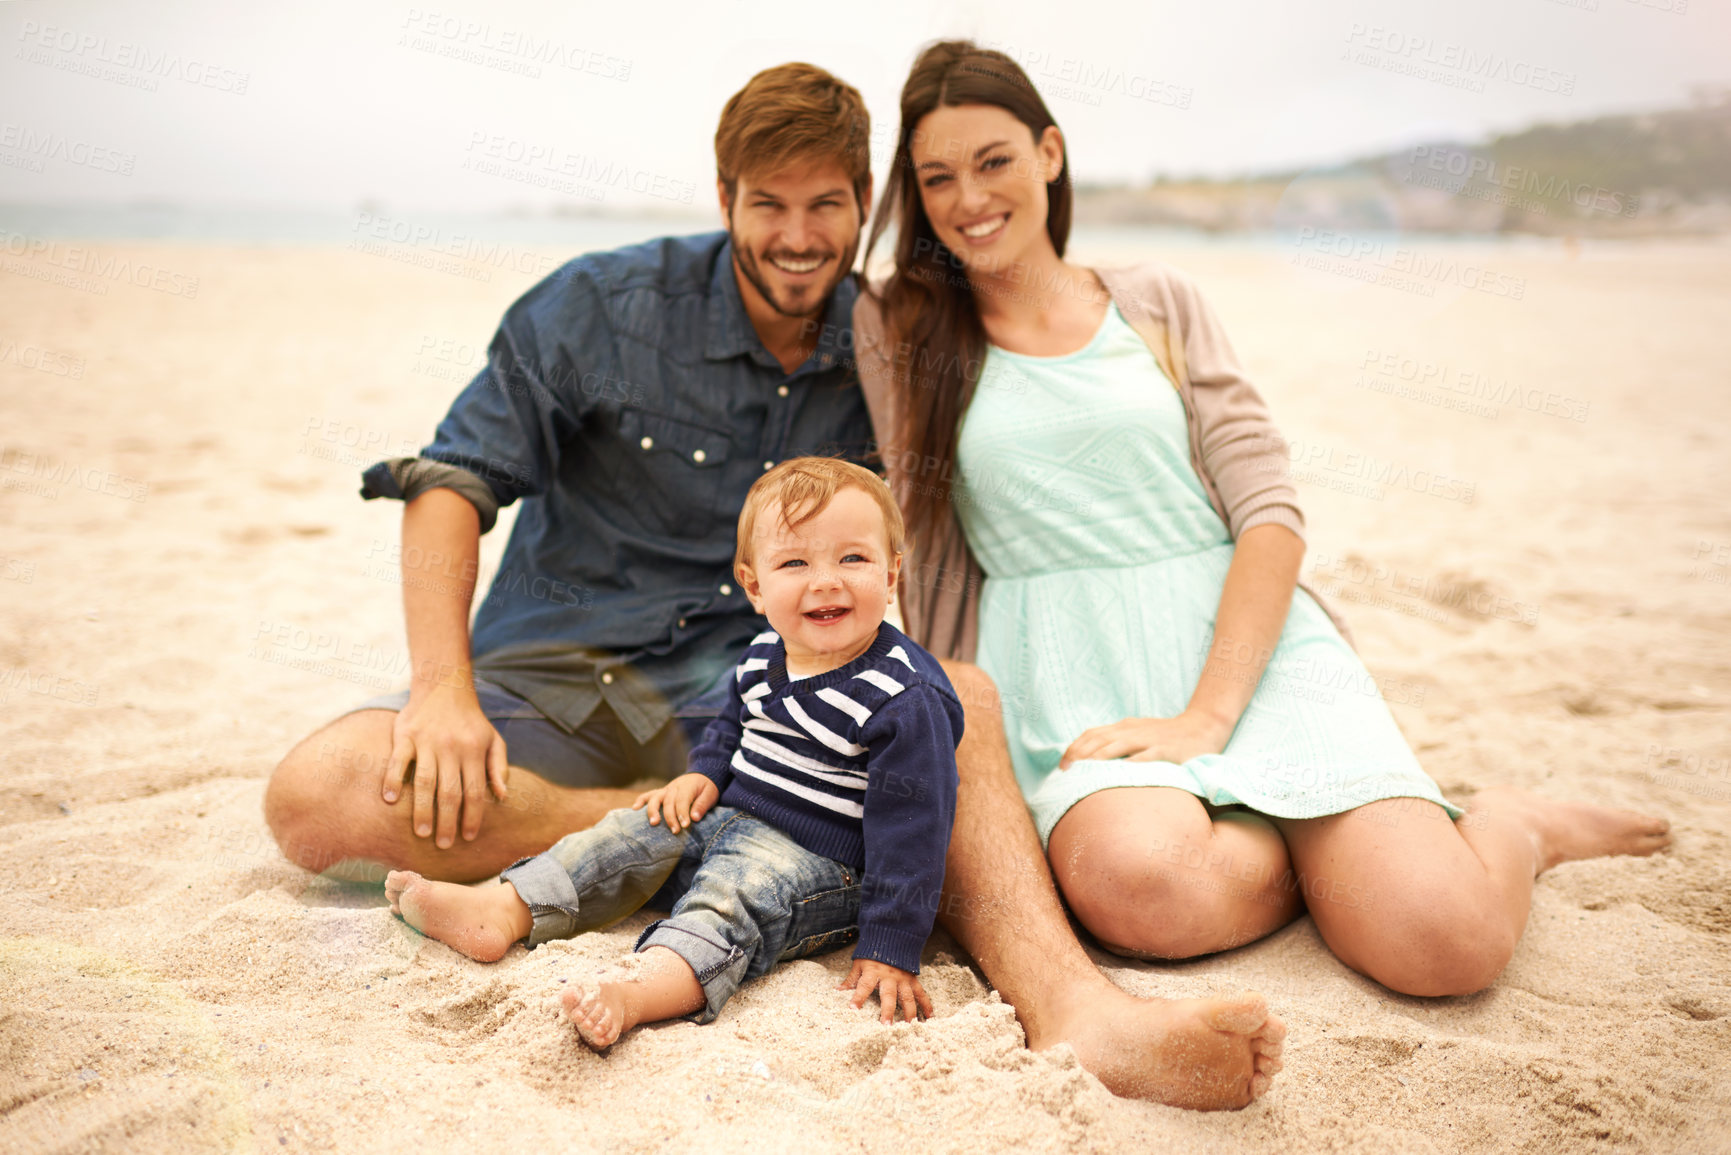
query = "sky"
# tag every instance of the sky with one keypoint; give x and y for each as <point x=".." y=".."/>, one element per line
<point x="526" y="106"/>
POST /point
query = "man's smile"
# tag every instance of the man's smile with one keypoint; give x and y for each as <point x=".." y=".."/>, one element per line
<point x="798" y="266"/>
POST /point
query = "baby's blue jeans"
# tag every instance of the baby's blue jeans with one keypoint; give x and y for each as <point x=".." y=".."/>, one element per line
<point x="743" y="895"/>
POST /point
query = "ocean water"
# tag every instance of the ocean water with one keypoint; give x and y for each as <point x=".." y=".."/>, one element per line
<point x="267" y="226"/>
<point x="258" y="226"/>
<point x="1362" y="254"/>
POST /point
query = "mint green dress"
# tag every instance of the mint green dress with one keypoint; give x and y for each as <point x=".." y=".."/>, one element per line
<point x="1104" y="564"/>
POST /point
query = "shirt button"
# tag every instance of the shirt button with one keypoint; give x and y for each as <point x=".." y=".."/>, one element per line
<point x="781" y="390"/>
<point x="726" y="589"/>
<point x="697" y="455"/>
<point x="607" y="679"/>
<point x="769" y="465"/>
<point x="647" y="443"/>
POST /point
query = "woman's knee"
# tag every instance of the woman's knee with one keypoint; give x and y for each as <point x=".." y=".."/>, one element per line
<point x="1132" y="901"/>
<point x="1458" y="963"/>
<point x="1436" y="951"/>
<point x="1157" y="920"/>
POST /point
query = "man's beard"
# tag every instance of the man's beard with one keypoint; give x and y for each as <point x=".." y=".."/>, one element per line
<point x="748" y="265"/>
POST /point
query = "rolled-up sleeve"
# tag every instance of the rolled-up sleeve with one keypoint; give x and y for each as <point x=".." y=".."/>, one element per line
<point x="502" y="438"/>
<point x="406" y="478"/>
<point x="1242" y="451"/>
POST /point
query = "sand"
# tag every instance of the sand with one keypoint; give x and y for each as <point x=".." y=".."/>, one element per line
<point x="188" y="584"/>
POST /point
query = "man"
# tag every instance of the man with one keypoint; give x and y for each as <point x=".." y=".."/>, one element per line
<point x="629" y="401"/>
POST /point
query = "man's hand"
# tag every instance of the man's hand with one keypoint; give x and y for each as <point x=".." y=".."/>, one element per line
<point x="1189" y="735"/>
<point x="456" y="754"/>
<point x="681" y="802"/>
<point x="895" y="988"/>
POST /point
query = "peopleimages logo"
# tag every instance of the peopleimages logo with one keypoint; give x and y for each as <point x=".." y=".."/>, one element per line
<point x="546" y="164"/>
<point x="1324" y="464"/>
<point x="44" y="475"/>
<point x="1087" y="81"/>
<point x="1375" y="260"/>
<point x="135" y="65"/>
<point x="503" y="48"/>
<point x="46" y="146"/>
<point x="48" y="685"/>
<point x="1457" y="65"/>
<point x="1471" y="167"/>
<point x="416" y="242"/>
<point x="1372" y="579"/>
<point x="1464" y="389"/>
<point x="29" y="356"/>
<point x="87" y="269"/>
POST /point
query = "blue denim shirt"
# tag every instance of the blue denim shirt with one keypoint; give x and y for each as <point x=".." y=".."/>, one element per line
<point x="629" y="404"/>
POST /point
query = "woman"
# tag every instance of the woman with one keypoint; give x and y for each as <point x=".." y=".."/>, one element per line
<point x="1203" y="753"/>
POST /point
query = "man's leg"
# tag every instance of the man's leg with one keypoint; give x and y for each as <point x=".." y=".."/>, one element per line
<point x="326" y="808"/>
<point x="1000" y="903"/>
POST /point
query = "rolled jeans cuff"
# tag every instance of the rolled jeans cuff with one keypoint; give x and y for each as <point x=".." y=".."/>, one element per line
<point x="718" y="964"/>
<point x="552" y="899"/>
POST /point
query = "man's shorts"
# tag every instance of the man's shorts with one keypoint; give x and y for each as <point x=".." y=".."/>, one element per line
<point x="600" y="753"/>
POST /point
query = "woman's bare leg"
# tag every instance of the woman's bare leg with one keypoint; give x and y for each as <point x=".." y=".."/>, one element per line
<point x="1426" y="906"/>
<point x="1153" y="874"/>
<point x="1001" y="905"/>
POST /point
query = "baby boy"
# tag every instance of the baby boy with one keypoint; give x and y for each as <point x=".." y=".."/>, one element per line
<point x="817" y="809"/>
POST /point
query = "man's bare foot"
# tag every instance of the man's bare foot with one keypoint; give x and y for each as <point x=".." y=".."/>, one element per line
<point x="481" y="921"/>
<point x="1203" y="1054"/>
<point x="1566" y="831"/>
<point x="597" y="1010"/>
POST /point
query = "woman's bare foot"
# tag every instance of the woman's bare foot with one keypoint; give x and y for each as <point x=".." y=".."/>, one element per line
<point x="481" y="921"/>
<point x="598" y="1011"/>
<point x="1566" y="831"/>
<point x="1203" y="1054"/>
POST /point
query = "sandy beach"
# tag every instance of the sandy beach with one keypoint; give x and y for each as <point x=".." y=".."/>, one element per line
<point x="1517" y="494"/>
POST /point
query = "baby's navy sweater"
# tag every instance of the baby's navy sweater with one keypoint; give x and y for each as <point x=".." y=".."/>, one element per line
<point x="858" y="765"/>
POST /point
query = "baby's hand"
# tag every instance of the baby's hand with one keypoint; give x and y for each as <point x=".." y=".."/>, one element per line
<point x="894" y="986"/>
<point x="681" y="802"/>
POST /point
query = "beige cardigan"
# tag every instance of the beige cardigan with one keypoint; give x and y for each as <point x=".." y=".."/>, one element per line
<point x="1234" y="446"/>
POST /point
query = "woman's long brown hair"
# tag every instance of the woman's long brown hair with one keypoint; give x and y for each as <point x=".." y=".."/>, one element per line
<point x="928" y="306"/>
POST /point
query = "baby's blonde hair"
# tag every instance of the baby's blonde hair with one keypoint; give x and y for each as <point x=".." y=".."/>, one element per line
<point x="804" y="487"/>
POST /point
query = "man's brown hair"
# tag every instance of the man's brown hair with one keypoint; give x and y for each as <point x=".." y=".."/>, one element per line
<point x="803" y="486"/>
<point x="794" y="113"/>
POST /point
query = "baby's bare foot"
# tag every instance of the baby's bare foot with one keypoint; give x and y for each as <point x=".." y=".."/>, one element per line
<point x="481" y="921"/>
<point x="1567" y="831"/>
<point x="597" y="1010"/>
<point x="395" y="883"/>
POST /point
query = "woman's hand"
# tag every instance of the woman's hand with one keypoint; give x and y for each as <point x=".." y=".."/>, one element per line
<point x="681" y="802"/>
<point x="1189" y="735"/>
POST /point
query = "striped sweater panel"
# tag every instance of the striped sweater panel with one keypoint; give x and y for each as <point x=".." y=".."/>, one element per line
<point x="857" y="764"/>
